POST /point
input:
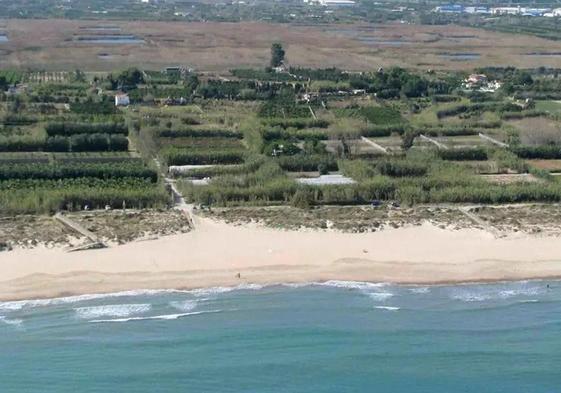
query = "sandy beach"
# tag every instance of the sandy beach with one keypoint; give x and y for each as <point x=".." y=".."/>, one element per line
<point x="215" y="253"/>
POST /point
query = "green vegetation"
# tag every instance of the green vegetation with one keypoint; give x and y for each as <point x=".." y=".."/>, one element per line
<point x="396" y="134"/>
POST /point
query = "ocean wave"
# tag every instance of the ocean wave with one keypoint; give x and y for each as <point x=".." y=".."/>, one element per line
<point x="185" y="305"/>
<point x="380" y="296"/>
<point x="112" y="310"/>
<point x="165" y="317"/>
<point x="419" y="290"/>
<point x="218" y="290"/>
<point x="21" y="304"/>
<point x="12" y="322"/>
<point x="361" y="285"/>
<point x="486" y="294"/>
<point x="387" y="308"/>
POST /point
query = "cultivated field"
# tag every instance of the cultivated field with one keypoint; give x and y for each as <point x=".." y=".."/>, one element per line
<point x="60" y="45"/>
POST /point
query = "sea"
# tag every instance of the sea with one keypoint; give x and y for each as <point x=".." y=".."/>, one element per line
<point x="335" y="336"/>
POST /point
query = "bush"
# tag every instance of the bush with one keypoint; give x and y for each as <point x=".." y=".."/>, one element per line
<point x="475" y="154"/>
<point x="68" y="129"/>
<point x="302" y="199"/>
<point x="533" y="152"/>
<point x="174" y="156"/>
<point x="307" y="163"/>
<point x="57" y="143"/>
<point x="402" y="168"/>
<point x="199" y="133"/>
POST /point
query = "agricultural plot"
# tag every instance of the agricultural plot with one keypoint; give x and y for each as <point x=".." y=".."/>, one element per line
<point x="47" y="77"/>
<point x="75" y="166"/>
<point x="393" y="144"/>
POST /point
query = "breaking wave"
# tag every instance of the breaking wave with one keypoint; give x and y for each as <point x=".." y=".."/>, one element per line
<point x="482" y="294"/>
<point x="185" y="305"/>
<point x="112" y="310"/>
<point x="13" y="322"/>
<point x="165" y="317"/>
<point x="387" y="308"/>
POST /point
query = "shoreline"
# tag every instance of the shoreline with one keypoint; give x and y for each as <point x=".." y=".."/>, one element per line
<point x="344" y="284"/>
<point x="214" y="254"/>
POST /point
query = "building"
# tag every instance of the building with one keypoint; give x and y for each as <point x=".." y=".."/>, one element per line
<point x="450" y="9"/>
<point x="553" y="13"/>
<point x="337" y="3"/>
<point x="476" y="79"/>
<point x="122" y="99"/>
<point x="477" y="10"/>
<point x="506" y="10"/>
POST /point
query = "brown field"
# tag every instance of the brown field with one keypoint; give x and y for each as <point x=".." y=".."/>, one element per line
<point x="51" y="45"/>
<point x="537" y="130"/>
<point x="548" y="165"/>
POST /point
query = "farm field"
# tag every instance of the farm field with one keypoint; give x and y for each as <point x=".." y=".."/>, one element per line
<point x="56" y="45"/>
<point x="304" y="138"/>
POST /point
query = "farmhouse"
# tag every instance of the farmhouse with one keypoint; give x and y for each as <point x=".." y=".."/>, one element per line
<point x="450" y="8"/>
<point x="476" y="79"/>
<point x="122" y="99"/>
<point x="554" y="13"/>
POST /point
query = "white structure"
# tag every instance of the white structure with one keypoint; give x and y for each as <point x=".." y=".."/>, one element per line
<point x="526" y="11"/>
<point x="336" y="3"/>
<point x="122" y="99"/>
<point x="325" y="180"/>
<point x="555" y="13"/>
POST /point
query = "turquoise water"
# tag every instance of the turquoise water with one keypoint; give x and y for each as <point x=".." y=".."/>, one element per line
<point x="331" y="337"/>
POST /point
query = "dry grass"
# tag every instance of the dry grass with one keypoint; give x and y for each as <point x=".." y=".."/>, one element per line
<point x="548" y="165"/>
<point x="125" y="226"/>
<point x="543" y="219"/>
<point x="116" y="227"/>
<point x="538" y="130"/>
<point x="28" y="231"/>
<point x="343" y="218"/>
<point x="50" y="45"/>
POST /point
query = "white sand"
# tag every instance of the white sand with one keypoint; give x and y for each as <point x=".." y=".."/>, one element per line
<point x="214" y="253"/>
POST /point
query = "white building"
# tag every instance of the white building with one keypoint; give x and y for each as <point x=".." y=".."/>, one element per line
<point x="506" y="10"/>
<point x="336" y="3"/>
<point x="555" y="13"/>
<point x="122" y="99"/>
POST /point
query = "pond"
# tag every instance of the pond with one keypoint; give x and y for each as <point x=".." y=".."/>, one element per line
<point x="382" y="41"/>
<point x="460" y="56"/>
<point x="101" y="28"/>
<point x="544" y="54"/>
<point x="110" y="39"/>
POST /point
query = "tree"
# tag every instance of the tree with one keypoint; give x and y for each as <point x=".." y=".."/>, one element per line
<point x="277" y="55"/>
<point x="79" y="76"/>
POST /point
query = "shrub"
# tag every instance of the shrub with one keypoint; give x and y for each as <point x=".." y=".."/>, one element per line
<point x="475" y="154"/>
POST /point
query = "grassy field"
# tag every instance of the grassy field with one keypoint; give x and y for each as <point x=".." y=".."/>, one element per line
<point x="53" y="45"/>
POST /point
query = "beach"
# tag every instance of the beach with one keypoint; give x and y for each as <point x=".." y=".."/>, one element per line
<point x="218" y="254"/>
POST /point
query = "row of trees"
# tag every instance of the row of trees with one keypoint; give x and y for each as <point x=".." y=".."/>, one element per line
<point x="87" y="142"/>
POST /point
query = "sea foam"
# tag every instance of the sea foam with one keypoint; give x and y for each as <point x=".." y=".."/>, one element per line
<point x="387" y="308"/>
<point x="13" y="322"/>
<point x="155" y="317"/>
<point x="185" y="305"/>
<point x="380" y="296"/>
<point x="112" y="310"/>
<point x="21" y="304"/>
<point x="361" y="285"/>
<point x="482" y="294"/>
